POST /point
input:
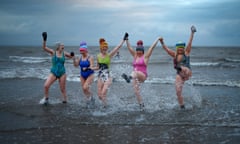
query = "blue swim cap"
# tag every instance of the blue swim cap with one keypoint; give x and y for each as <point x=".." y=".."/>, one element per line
<point x="83" y="46"/>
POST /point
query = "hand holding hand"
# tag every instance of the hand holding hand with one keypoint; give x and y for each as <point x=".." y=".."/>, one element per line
<point x="125" y="36"/>
<point x="44" y="36"/>
<point x="161" y="40"/>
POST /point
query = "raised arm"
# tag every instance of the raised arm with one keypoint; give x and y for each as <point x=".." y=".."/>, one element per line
<point x="114" y="51"/>
<point x="169" y="51"/>
<point x="44" y="36"/>
<point x="150" y="50"/>
<point x="189" y="45"/>
<point x="130" y="49"/>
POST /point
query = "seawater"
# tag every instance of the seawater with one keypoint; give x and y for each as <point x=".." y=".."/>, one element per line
<point x="210" y="65"/>
<point x="211" y="95"/>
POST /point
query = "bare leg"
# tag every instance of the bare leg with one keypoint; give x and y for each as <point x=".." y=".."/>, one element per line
<point x="104" y="91"/>
<point x="50" y="80"/>
<point x="62" y="84"/>
<point x="185" y="73"/>
<point x="137" y="90"/>
<point x="138" y="77"/>
<point x="100" y="87"/>
<point x="86" y="85"/>
<point x="179" y="85"/>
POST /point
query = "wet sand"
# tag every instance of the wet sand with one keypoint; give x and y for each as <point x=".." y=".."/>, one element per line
<point x="23" y="120"/>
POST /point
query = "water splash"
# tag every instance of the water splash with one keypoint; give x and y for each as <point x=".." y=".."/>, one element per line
<point x="194" y="97"/>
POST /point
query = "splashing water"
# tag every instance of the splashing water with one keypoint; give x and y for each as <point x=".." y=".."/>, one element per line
<point x="193" y="98"/>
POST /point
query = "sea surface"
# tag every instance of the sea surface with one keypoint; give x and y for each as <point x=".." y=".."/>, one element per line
<point x="212" y="95"/>
<point x="212" y="66"/>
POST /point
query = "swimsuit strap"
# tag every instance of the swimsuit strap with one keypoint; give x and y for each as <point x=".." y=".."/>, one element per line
<point x="86" y="59"/>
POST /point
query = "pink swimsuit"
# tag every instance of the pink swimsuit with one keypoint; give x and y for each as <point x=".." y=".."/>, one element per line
<point x="140" y="65"/>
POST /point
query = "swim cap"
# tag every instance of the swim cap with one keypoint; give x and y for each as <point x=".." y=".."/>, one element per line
<point x="140" y="42"/>
<point x="83" y="46"/>
<point x="180" y="44"/>
<point x="103" y="43"/>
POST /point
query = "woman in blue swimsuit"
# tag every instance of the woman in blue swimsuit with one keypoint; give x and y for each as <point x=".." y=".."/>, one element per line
<point x="57" y="70"/>
<point x="85" y="62"/>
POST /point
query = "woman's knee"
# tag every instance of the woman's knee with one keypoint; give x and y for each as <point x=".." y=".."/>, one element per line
<point x="85" y="86"/>
<point x="46" y="86"/>
<point x="178" y="93"/>
<point x="63" y="89"/>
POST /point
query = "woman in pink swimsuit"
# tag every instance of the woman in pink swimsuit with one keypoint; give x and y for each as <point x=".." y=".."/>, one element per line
<point x="140" y="62"/>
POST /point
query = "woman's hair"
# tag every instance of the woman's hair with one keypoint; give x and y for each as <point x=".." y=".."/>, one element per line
<point x="58" y="44"/>
<point x="103" y="43"/>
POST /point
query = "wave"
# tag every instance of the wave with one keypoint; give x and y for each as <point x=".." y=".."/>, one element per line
<point x="205" y="64"/>
<point x="41" y="73"/>
<point x="33" y="60"/>
<point x="222" y="83"/>
<point x="232" y="60"/>
<point x="29" y="59"/>
<point x="171" y="80"/>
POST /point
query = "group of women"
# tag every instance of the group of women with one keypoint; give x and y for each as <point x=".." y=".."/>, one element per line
<point x="181" y="59"/>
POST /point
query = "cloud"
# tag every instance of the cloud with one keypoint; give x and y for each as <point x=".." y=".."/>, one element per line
<point x="76" y="20"/>
<point x="15" y="24"/>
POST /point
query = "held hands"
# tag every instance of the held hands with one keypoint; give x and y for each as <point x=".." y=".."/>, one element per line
<point x="161" y="40"/>
<point x="44" y="36"/>
<point x="125" y="36"/>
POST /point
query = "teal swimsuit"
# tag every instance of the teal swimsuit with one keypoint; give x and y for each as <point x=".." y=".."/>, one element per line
<point x="58" y="68"/>
<point x="185" y="61"/>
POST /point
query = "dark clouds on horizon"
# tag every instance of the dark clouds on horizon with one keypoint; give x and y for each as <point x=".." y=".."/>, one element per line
<point x="72" y="21"/>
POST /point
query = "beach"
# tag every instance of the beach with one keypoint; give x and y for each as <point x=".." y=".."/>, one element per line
<point x="23" y="120"/>
<point x="211" y="97"/>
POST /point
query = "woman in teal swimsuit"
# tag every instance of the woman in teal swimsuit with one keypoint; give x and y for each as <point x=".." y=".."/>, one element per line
<point x="57" y="70"/>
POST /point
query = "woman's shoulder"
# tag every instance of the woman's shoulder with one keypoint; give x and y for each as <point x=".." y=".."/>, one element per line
<point x="90" y="57"/>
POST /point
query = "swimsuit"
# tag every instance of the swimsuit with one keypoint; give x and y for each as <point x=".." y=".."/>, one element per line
<point x="58" y="68"/>
<point x="185" y="61"/>
<point x="140" y="65"/>
<point x="104" y="64"/>
<point x="85" y="71"/>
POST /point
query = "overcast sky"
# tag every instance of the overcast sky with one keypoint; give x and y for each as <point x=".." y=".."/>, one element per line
<point x="71" y="21"/>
